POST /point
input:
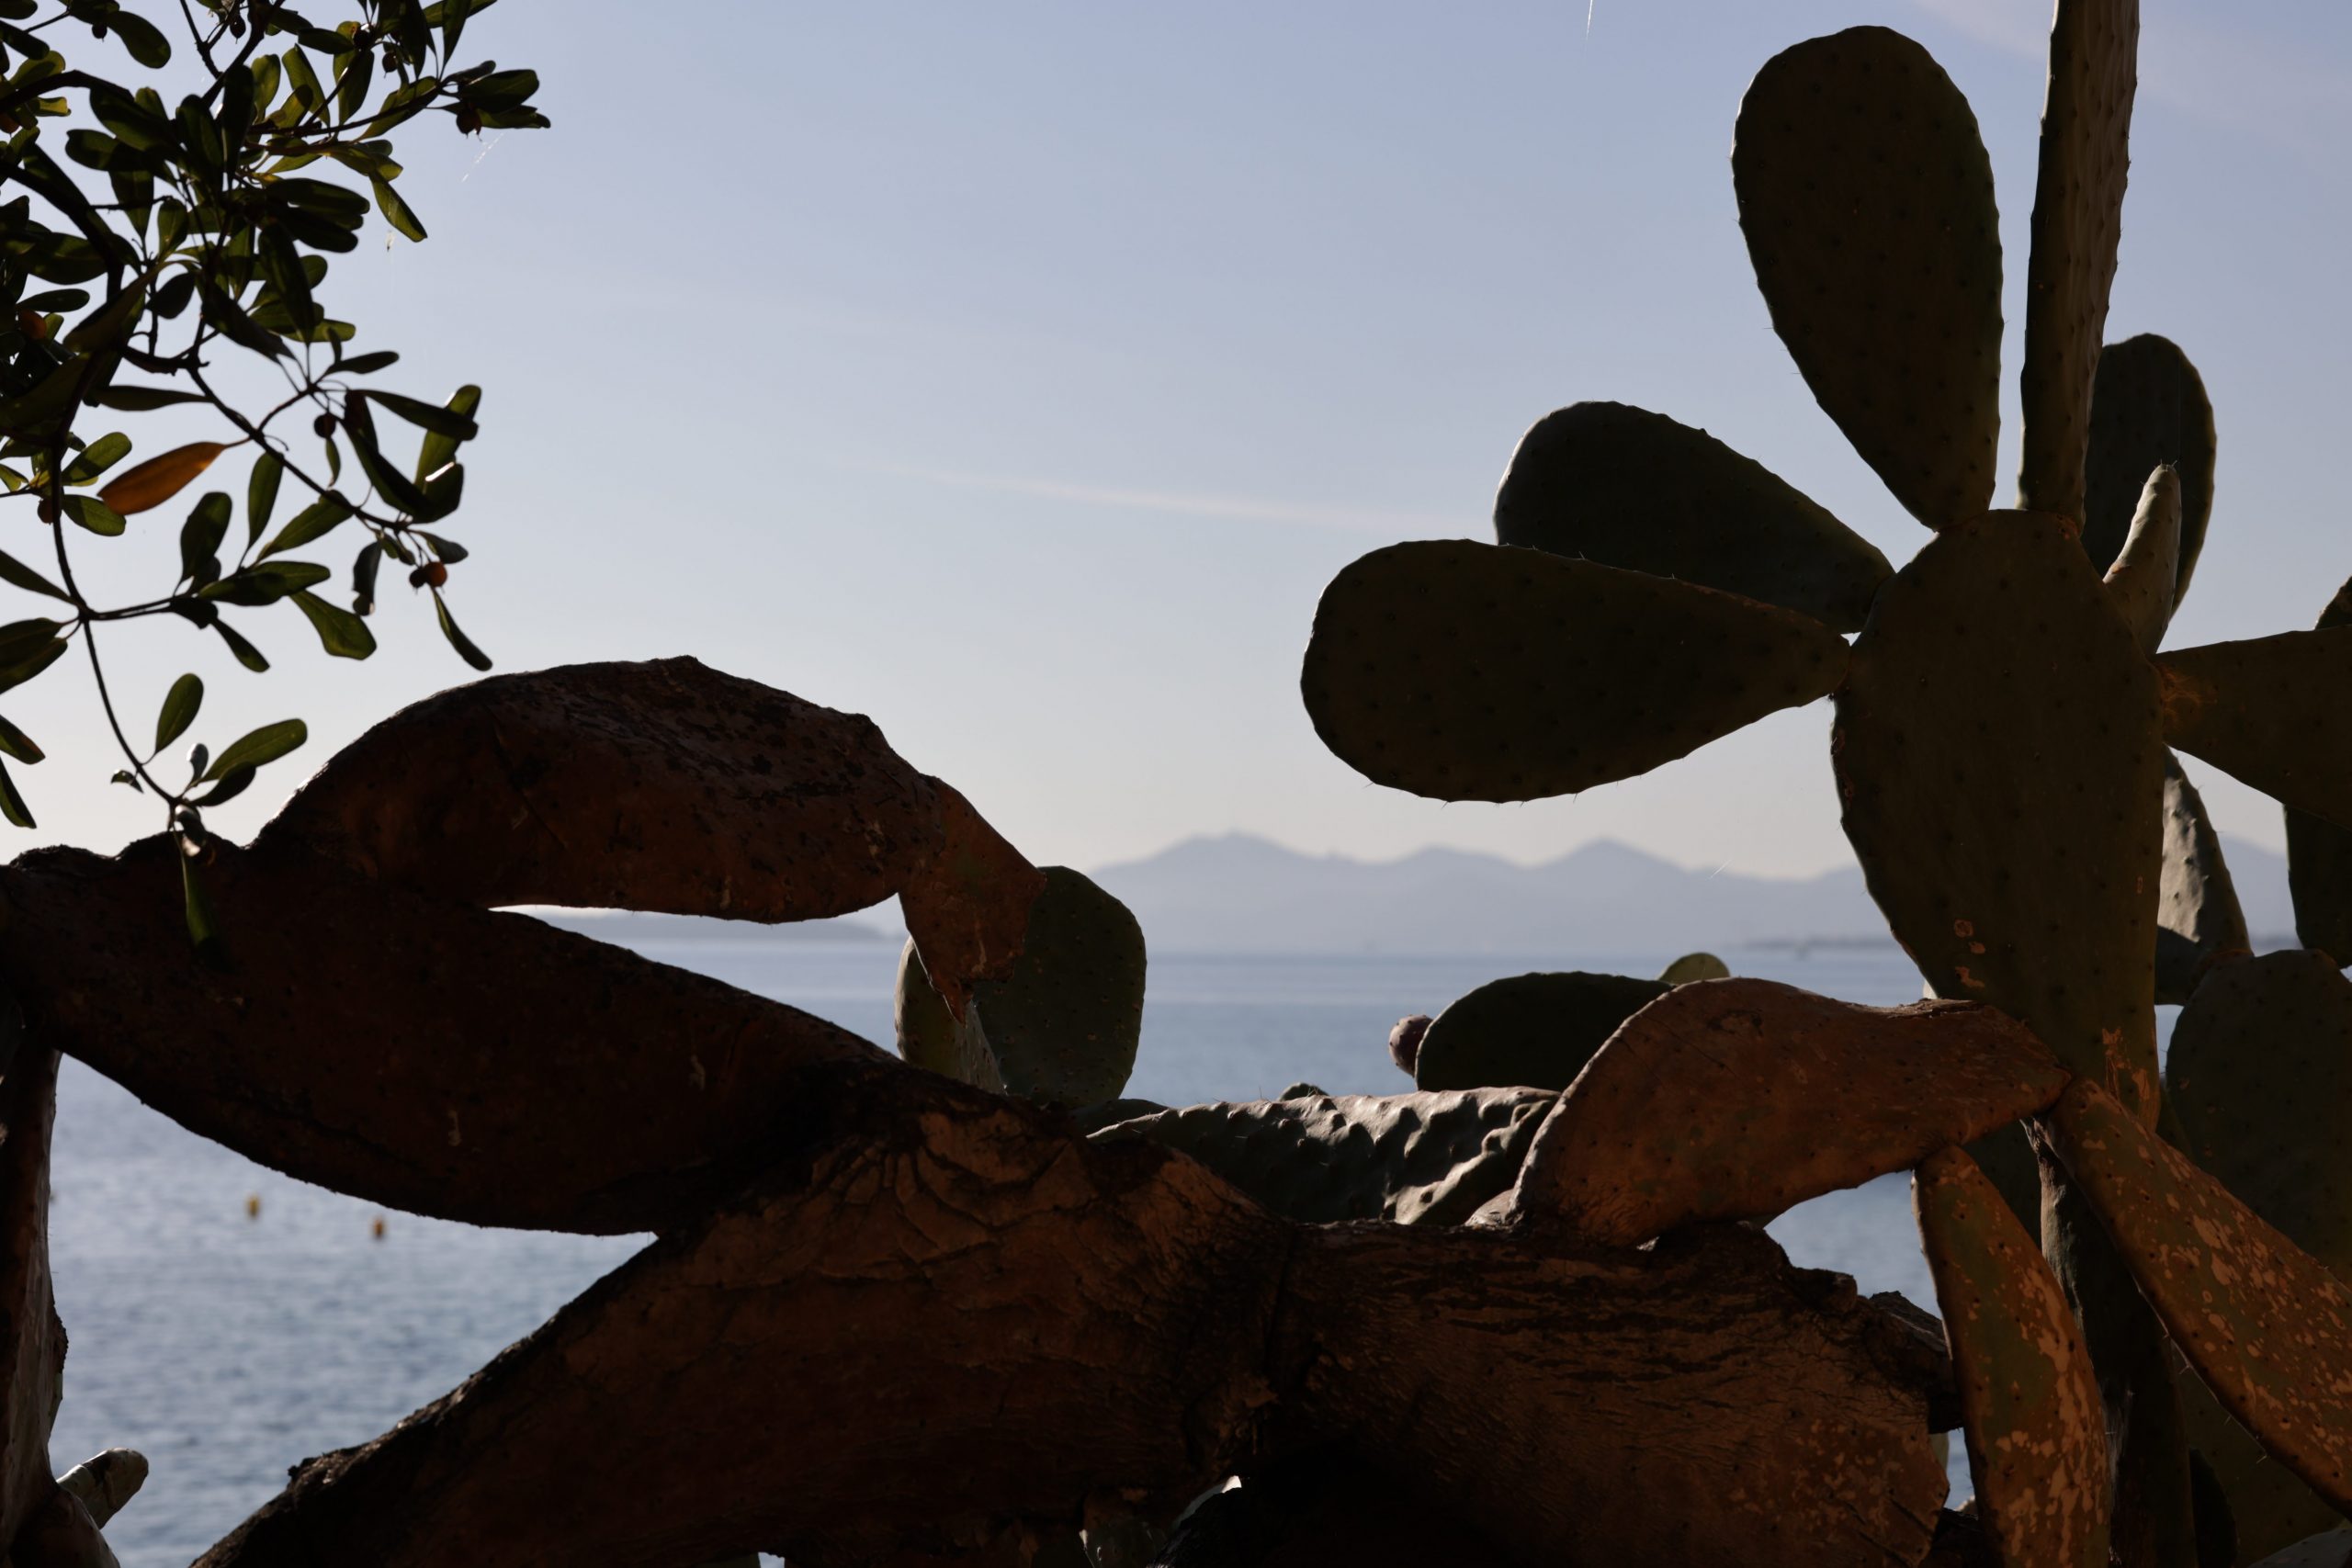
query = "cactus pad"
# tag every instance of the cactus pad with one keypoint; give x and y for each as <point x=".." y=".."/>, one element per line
<point x="1426" y="1159"/>
<point x="1731" y="1100"/>
<point x="2328" y="1549"/>
<point x="1535" y="1031"/>
<point x="2148" y="406"/>
<point x="2261" y="1073"/>
<point x="1867" y="200"/>
<point x="2028" y="1403"/>
<point x="1694" y="967"/>
<point x="1064" y="1025"/>
<point x="968" y="906"/>
<point x="2077" y="219"/>
<point x="1629" y="488"/>
<point x="1470" y="671"/>
<point x="2146" y="574"/>
<point x="2198" y="915"/>
<point x="2319" y="853"/>
<point x="1997" y="753"/>
<point x="933" y="1038"/>
<point x="2269" y="712"/>
<point x="2267" y="1327"/>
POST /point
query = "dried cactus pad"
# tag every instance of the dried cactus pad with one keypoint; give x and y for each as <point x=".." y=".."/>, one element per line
<point x="2270" y="711"/>
<point x="1867" y="199"/>
<point x="2077" y="219"/>
<point x="664" y="785"/>
<point x="1470" y="671"/>
<point x="1412" y="1159"/>
<point x="2267" y="1327"/>
<point x="1065" y="1023"/>
<point x="1998" y="755"/>
<point x="2148" y="406"/>
<point x="1629" y="488"/>
<point x="1534" y="1031"/>
<point x="2260" y="1074"/>
<point x="1730" y="1100"/>
<point x="2198" y="918"/>
<point x="2319" y="853"/>
<point x="2028" y="1403"/>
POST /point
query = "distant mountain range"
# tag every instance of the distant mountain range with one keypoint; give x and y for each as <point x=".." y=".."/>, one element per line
<point x="1238" y="894"/>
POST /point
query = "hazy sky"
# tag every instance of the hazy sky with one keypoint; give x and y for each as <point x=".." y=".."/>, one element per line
<point x="1018" y="372"/>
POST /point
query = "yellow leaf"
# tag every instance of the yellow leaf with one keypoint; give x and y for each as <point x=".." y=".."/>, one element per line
<point x="158" y="479"/>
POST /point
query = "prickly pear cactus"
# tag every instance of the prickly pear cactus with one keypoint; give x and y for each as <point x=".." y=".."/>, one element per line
<point x="1533" y="1031"/>
<point x="2000" y="749"/>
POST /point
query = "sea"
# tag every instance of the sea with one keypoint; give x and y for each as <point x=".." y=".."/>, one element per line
<point x="228" y="1322"/>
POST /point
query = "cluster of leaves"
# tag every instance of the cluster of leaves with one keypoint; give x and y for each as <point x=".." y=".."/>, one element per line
<point x="185" y="235"/>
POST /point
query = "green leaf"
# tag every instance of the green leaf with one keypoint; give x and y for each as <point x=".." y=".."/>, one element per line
<point x="146" y="41"/>
<point x="227" y="789"/>
<point x="203" y="929"/>
<point x="266" y="583"/>
<point x="368" y="363"/>
<point x="97" y="457"/>
<point x="363" y="579"/>
<point x="261" y="493"/>
<point x="448" y="549"/>
<point x="96" y="516"/>
<point x="305" y="95"/>
<point x="396" y="211"/>
<point x="258" y="748"/>
<point x="125" y="776"/>
<point x="17" y="574"/>
<point x="12" y="804"/>
<point x="200" y="537"/>
<point x="322" y="516"/>
<point x="17" y="675"/>
<point x="16" y="743"/>
<point x="142" y="400"/>
<point x="341" y="633"/>
<point x="356" y="73"/>
<point x="440" y="449"/>
<point x="246" y="653"/>
<point x="19" y="640"/>
<point x="397" y="488"/>
<point x="457" y="640"/>
<point x="180" y="706"/>
<point x="441" y="420"/>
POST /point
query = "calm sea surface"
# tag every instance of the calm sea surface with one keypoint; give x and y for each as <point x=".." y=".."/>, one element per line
<point x="226" y="1348"/>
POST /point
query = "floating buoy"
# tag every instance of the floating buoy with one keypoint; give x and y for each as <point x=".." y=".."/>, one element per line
<point x="253" y="1205"/>
<point x="376" y="1227"/>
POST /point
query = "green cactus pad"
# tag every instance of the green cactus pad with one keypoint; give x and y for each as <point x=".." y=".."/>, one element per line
<point x="1411" y="1158"/>
<point x="2147" y="573"/>
<point x="1693" y="966"/>
<point x="1629" y="488"/>
<point x="1528" y="1030"/>
<point x="2319" y="853"/>
<point x="2077" y="219"/>
<point x="2028" y="1403"/>
<point x="2271" y="1507"/>
<point x="1732" y="1100"/>
<point x="2270" y="711"/>
<point x="2148" y="406"/>
<point x="1867" y="199"/>
<point x="1470" y="671"/>
<point x="2327" y="1549"/>
<point x="1998" y="755"/>
<point x="2260" y="1074"/>
<point x="933" y="1038"/>
<point x="1064" y="1025"/>
<point x="2198" y="919"/>
<point x="2264" y="1323"/>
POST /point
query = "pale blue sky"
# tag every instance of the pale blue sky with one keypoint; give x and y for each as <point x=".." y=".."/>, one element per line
<point x="1018" y="374"/>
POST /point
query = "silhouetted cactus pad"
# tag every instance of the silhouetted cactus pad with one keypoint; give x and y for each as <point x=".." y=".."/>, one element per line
<point x="2028" y="1403"/>
<point x="1470" y="671"/>
<point x="1629" y="488"/>
<point x="2148" y="407"/>
<point x="1730" y="1100"/>
<point x="931" y="1037"/>
<point x="2197" y="915"/>
<point x="1064" y="1024"/>
<point x="2329" y="1549"/>
<point x="2260" y="1074"/>
<point x="2319" y="853"/>
<point x="1867" y="199"/>
<point x="2270" y="711"/>
<point x="2077" y="219"/>
<point x="1528" y="1030"/>
<point x="1430" y="1159"/>
<point x="2145" y="579"/>
<point x="2263" y="1322"/>
<point x="1999" y="757"/>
